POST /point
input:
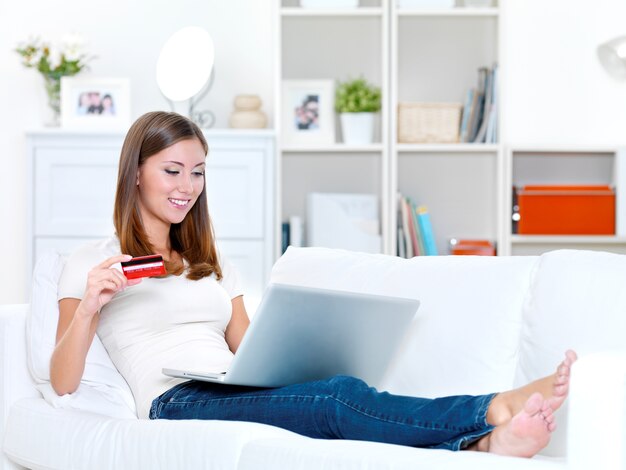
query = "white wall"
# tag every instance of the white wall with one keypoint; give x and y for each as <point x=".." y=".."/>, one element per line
<point x="126" y="36"/>
<point x="555" y="90"/>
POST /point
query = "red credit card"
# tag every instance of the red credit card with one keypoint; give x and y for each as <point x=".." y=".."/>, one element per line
<point x="143" y="266"/>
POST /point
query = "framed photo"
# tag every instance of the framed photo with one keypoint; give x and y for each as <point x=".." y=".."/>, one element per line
<point x="95" y="103"/>
<point x="308" y="118"/>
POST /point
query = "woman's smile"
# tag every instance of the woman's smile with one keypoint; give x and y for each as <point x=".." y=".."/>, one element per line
<point x="179" y="203"/>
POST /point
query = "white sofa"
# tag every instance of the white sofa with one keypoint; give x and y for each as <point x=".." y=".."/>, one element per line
<point x="485" y="324"/>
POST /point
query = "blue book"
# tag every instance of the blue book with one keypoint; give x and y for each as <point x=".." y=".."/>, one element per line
<point x="426" y="230"/>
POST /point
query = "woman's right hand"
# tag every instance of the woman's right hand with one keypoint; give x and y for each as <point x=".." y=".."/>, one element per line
<point x="103" y="282"/>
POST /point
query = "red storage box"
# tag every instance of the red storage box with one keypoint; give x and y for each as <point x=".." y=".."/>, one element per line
<point x="472" y="247"/>
<point x="566" y="210"/>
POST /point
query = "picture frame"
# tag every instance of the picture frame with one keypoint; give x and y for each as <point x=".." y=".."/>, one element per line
<point x="95" y="103"/>
<point x="308" y="118"/>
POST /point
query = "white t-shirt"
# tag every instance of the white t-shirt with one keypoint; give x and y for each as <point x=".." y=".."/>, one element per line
<point x="161" y="322"/>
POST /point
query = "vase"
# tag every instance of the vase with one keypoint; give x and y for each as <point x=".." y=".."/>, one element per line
<point x="53" y="93"/>
<point x="357" y="128"/>
<point x="247" y="113"/>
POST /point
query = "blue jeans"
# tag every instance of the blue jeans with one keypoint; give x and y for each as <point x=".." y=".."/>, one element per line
<point x="336" y="408"/>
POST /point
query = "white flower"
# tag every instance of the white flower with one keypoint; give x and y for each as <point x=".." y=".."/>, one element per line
<point x="33" y="60"/>
<point x="73" y="46"/>
<point x="54" y="57"/>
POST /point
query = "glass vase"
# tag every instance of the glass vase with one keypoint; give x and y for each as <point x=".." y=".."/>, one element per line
<point x="53" y="93"/>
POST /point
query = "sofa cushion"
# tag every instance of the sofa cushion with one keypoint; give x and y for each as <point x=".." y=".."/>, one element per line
<point x="314" y="454"/>
<point x="100" y="378"/>
<point x="39" y="436"/>
<point x="577" y="301"/>
<point x="464" y="301"/>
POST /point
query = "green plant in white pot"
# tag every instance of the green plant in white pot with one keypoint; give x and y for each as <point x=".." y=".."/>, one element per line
<point x="356" y="101"/>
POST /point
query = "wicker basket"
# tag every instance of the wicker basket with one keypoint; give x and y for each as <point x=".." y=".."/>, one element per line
<point x="429" y="122"/>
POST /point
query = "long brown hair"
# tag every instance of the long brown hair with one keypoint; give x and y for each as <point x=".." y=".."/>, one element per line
<point x="193" y="238"/>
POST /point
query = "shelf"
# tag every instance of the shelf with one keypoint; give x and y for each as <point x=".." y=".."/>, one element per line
<point x="364" y="11"/>
<point x="567" y="240"/>
<point x="448" y="12"/>
<point x="566" y="148"/>
<point x="447" y="148"/>
<point x="336" y="148"/>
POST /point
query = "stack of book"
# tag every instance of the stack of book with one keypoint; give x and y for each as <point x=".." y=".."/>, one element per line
<point x="479" y="121"/>
<point x="415" y="231"/>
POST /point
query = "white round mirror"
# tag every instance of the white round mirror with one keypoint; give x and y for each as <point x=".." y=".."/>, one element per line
<point x="185" y="63"/>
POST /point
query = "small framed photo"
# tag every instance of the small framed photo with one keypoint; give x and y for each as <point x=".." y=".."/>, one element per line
<point x="308" y="113"/>
<point x="95" y="103"/>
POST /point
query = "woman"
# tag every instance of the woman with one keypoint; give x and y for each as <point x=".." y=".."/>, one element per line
<point x="195" y="318"/>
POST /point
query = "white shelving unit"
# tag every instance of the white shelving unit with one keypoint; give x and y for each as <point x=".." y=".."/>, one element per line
<point x="421" y="55"/>
<point x="335" y="44"/>
<point x="435" y="55"/>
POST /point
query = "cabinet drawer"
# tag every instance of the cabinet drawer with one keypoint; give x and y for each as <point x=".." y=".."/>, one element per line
<point x="235" y="191"/>
<point x="74" y="191"/>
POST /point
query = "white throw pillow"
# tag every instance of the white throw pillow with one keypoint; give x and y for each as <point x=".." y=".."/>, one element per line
<point x="577" y="301"/>
<point x="102" y="389"/>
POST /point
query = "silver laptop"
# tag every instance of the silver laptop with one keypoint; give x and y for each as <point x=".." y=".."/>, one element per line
<point x="300" y="334"/>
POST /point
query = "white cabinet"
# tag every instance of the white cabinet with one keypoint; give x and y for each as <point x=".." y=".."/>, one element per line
<point x="235" y="190"/>
<point x="72" y="191"/>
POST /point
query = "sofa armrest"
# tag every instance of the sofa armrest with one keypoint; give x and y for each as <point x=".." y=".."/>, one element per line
<point x="596" y="431"/>
<point x="15" y="379"/>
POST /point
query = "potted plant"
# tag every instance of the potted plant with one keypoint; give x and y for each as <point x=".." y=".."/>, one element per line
<point x="356" y="101"/>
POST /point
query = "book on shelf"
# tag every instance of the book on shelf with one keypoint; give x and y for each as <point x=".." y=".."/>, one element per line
<point x="415" y="233"/>
<point x="401" y="242"/>
<point x="421" y="247"/>
<point x="492" y="126"/>
<point x="284" y="236"/>
<point x="481" y="133"/>
<point x="403" y="218"/>
<point x="413" y="242"/>
<point x="467" y="109"/>
<point x="426" y="231"/>
<point x="483" y="74"/>
<point x="479" y="118"/>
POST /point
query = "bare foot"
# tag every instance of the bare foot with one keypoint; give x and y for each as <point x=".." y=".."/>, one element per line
<point x="554" y="388"/>
<point x="528" y="431"/>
